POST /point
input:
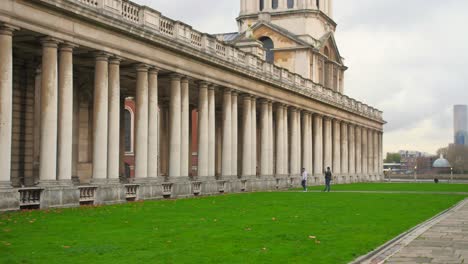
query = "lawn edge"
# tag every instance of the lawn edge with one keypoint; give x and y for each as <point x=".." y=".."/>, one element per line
<point x="390" y="248"/>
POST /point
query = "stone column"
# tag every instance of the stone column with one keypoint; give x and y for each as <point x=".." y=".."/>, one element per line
<point x="352" y="150"/>
<point x="153" y="121"/>
<point x="279" y="140"/>
<point x="264" y="139"/>
<point x="295" y="167"/>
<point x="370" y="153"/>
<point x="65" y="113"/>
<point x="358" y="145"/>
<point x="175" y="124"/>
<point x="253" y="166"/>
<point x="203" y="156"/>
<point x="318" y="145"/>
<point x="211" y="131"/>
<point x="337" y="147"/>
<point x="380" y="137"/>
<point x="246" y="136"/>
<point x="113" y="148"/>
<point x="344" y="149"/>
<point x="100" y="117"/>
<point x="49" y="111"/>
<point x="141" y="123"/>
<point x="376" y="153"/>
<point x="307" y="142"/>
<point x="6" y="103"/>
<point x="271" y="139"/>
<point x="286" y="140"/>
<point x="364" y="151"/>
<point x="227" y="158"/>
<point x="185" y="129"/>
<point x="327" y="143"/>
<point x="234" y="133"/>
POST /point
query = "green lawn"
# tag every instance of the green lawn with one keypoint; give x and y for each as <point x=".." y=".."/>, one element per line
<point x="285" y="227"/>
<point x="418" y="187"/>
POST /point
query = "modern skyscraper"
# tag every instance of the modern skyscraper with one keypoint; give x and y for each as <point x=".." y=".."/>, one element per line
<point x="460" y="120"/>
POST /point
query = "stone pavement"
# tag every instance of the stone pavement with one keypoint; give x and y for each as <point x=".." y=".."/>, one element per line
<point x="442" y="239"/>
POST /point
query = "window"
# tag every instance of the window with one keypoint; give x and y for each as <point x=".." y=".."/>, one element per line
<point x="274" y="4"/>
<point x="268" y="46"/>
<point x="128" y="130"/>
<point x="262" y="5"/>
<point x="290" y="3"/>
<point x="318" y="4"/>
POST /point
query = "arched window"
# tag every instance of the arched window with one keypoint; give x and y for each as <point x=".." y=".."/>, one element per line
<point x="268" y="46"/>
<point x="262" y="5"/>
<point x="128" y="130"/>
<point x="290" y="3"/>
<point x="274" y="4"/>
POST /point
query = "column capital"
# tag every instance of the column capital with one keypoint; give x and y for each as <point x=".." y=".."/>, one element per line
<point x="185" y="79"/>
<point x="327" y="118"/>
<point x="116" y="60"/>
<point x="227" y="91"/>
<point x="246" y="96"/>
<point x="212" y="86"/>
<point x="142" y="67"/>
<point x="67" y="46"/>
<point x="7" y="29"/>
<point x="50" y="42"/>
<point x="154" y="69"/>
<point x="203" y="84"/>
<point x="263" y="101"/>
<point x="101" y="55"/>
<point x="175" y="76"/>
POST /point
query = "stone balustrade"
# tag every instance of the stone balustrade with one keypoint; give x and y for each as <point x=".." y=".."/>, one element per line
<point x="153" y="21"/>
<point x="87" y="194"/>
<point x="167" y="190"/>
<point x="131" y="192"/>
<point x="30" y="197"/>
<point x="196" y="188"/>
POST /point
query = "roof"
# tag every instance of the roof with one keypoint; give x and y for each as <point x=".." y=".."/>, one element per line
<point x="441" y="163"/>
<point x="227" y="37"/>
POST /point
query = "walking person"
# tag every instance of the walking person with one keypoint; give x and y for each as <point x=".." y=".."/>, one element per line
<point x="328" y="178"/>
<point x="304" y="179"/>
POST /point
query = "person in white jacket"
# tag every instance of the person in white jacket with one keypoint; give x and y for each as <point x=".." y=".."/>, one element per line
<point x="304" y="179"/>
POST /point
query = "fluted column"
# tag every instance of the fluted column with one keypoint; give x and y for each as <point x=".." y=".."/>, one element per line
<point x="370" y="152"/>
<point x="358" y="145"/>
<point x="318" y="145"/>
<point x="253" y="166"/>
<point x="271" y="139"/>
<point x="344" y="149"/>
<point x="279" y="140"/>
<point x="246" y="136"/>
<point x="175" y="125"/>
<point x="286" y="142"/>
<point x="211" y="131"/>
<point x="49" y="107"/>
<point x="226" y="167"/>
<point x="203" y="156"/>
<point x="327" y="143"/>
<point x="113" y="148"/>
<point x="380" y="137"/>
<point x="141" y="122"/>
<point x="376" y="153"/>
<point x="100" y="118"/>
<point x="307" y="142"/>
<point x="153" y="121"/>
<point x="234" y="133"/>
<point x="264" y="139"/>
<point x="365" y="152"/>
<point x="337" y="147"/>
<point x="352" y="150"/>
<point x="65" y="113"/>
<point x="295" y="158"/>
<point x="184" y="128"/>
<point x="6" y="103"/>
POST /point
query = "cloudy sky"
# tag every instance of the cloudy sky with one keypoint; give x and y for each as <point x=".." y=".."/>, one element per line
<point x="408" y="58"/>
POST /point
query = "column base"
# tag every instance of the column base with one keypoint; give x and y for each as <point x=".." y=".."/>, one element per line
<point x="5" y="185"/>
<point x="9" y="197"/>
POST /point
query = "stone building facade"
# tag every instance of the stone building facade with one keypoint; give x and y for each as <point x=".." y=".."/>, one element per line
<point x="66" y="67"/>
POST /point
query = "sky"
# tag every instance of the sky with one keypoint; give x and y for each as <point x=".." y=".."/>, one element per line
<point x="408" y="58"/>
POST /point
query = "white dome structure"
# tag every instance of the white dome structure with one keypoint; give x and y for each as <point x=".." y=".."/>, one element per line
<point x="441" y="163"/>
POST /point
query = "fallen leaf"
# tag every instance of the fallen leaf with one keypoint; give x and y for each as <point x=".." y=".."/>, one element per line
<point x="274" y="218"/>
<point x="66" y="246"/>
<point x="264" y="249"/>
<point x="6" y="243"/>
<point x="312" y="237"/>
<point x="248" y="229"/>
<point x="317" y="241"/>
<point x="6" y="230"/>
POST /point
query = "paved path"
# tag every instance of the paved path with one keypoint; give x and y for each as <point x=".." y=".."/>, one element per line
<point x="442" y="239"/>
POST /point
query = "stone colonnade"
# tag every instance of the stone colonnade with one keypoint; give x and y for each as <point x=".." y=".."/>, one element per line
<point x="260" y="137"/>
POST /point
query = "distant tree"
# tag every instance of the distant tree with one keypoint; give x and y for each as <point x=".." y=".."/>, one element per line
<point x="393" y="158"/>
<point x="457" y="155"/>
<point x="443" y="151"/>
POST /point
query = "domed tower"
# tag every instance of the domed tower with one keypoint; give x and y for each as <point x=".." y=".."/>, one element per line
<point x="296" y="34"/>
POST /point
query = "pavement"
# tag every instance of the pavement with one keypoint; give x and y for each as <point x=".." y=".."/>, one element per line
<point x="441" y="240"/>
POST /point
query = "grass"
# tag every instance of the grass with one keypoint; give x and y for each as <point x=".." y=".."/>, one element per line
<point x="290" y="227"/>
<point x="417" y="187"/>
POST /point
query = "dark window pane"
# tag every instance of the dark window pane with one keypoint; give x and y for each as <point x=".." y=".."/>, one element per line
<point x="268" y="46"/>
<point x="290" y="3"/>
<point x="262" y="5"/>
<point x="128" y="131"/>
<point x="274" y="4"/>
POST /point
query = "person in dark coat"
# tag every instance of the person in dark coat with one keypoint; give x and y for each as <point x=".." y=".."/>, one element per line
<point x="328" y="179"/>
